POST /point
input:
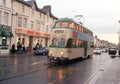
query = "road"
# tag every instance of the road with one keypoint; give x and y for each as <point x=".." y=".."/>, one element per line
<point x="37" y="70"/>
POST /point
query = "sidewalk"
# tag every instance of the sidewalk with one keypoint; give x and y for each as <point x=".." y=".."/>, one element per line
<point x="29" y="53"/>
<point x="112" y="74"/>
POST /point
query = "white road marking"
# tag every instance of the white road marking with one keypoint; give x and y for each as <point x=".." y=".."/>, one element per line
<point x="94" y="77"/>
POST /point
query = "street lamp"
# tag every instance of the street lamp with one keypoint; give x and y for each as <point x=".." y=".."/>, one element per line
<point x="119" y="36"/>
<point x="119" y="39"/>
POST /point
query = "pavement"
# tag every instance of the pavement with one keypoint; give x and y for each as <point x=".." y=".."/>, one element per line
<point x="110" y="74"/>
<point x="29" y="53"/>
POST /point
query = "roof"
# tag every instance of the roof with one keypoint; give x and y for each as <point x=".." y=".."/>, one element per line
<point x="70" y="20"/>
<point x="65" y="19"/>
<point x="45" y="9"/>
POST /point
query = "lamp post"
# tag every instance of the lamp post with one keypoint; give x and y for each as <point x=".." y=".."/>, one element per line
<point x="119" y="39"/>
<point x="119" y="36"/>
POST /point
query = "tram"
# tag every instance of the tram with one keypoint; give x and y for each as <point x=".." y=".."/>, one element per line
<point x="70" y="40"/>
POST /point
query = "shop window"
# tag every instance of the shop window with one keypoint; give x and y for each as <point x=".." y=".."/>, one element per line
<point x="4" y="40"/>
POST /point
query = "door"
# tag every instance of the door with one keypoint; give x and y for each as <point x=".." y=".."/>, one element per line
<point x="85" y="48"/>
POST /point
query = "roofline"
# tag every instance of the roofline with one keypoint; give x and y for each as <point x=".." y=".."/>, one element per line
<point x="37" y="8"/>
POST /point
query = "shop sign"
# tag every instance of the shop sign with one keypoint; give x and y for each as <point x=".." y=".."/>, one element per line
<point x="29" y="32"/>
<point x="47" y="35"/>
<point x="37" y="34"/>
<point x="20" y="31"/>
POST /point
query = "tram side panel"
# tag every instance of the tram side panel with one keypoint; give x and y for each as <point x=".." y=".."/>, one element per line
<point x="76" y="53"/>
<point x="90" y="52"/>
<point x="68" y="53"/>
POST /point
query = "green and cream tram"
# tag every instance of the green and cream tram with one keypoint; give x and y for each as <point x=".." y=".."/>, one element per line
<point x="70" y="40"/>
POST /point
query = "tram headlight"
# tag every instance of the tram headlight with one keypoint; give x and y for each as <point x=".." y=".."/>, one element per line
<point x="62" y="53"/>
<point x="50" y="53"/>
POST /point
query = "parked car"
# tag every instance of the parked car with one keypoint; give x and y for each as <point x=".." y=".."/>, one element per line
<point x="97" y="51"/>
<point x="112" y="50"/>
<point x="103" y="50"/>
<point x="42" y="51"/>
<point x="106" y="49"/>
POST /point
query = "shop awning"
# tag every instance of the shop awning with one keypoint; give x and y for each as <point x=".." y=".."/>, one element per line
<point x="6" y="33"/>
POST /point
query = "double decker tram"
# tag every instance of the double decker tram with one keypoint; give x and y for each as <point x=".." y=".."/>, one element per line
<point x="70" y="40"/>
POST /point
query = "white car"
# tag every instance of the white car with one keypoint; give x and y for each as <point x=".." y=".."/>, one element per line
<point x="97" y="51"/>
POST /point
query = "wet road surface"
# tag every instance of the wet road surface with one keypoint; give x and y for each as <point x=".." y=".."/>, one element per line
<point x="36" y="70"/>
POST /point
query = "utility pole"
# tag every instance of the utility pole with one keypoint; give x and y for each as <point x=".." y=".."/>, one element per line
<point x="119" y="39"/>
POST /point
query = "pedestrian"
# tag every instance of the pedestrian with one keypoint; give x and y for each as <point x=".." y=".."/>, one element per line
<point x="24" y="50"/>
<point x="18" y="44"/>
<point x="37" y="46"/>
<point x="13" y="48"/>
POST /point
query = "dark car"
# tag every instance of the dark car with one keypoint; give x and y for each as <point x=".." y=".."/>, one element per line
<point x="119" y="51"/>
<point x="42" y="51"/>
<point x="112" y="51"/>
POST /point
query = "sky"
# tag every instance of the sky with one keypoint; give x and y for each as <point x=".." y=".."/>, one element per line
<point x="100" y="16"/>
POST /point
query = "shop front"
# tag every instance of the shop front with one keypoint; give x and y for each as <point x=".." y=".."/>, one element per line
<point x="5" y="39"/>
<point x="29" y="38"/>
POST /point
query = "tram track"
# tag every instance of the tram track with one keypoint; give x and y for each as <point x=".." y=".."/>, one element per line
<point x="20" y="69"/>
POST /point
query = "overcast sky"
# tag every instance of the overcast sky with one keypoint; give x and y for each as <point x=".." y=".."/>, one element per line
<point x="100" y="16"/>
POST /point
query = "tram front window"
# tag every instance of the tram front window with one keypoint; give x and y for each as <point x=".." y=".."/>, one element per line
<point x="58" y="42"/>
<point x="61" y="42"/>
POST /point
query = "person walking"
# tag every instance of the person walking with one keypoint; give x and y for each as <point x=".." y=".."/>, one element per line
<point x="13" y="48"/>
<point x="24" y="50"/>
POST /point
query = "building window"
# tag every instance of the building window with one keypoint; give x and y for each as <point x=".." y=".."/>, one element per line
<point x="0" y="17"/>
<point x="23" y="8"/>
<point x="5" y="18"/>
<point x="38" y="27"/>
<point x="31" y="24"/>
<point x="46" y="29"/>
<point x="25" y="22"/>
<point x="40" y="15"/>
<point x="42" y="27"/>
<point x="32" y="12"/>
<point x="44" y="17"/>
<point x="19" y="22"/>
<point x="4" y="2"/>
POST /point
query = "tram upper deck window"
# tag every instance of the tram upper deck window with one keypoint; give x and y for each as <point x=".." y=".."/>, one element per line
<point x="61" y="24"/>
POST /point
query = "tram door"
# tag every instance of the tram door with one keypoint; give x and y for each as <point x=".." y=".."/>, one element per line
<point x="85" y="48"/>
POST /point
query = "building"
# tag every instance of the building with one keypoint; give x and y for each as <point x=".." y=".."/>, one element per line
<point x="30" y="24"/>
<point x="97" y="42"/>
<point x="5" y="26"/>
